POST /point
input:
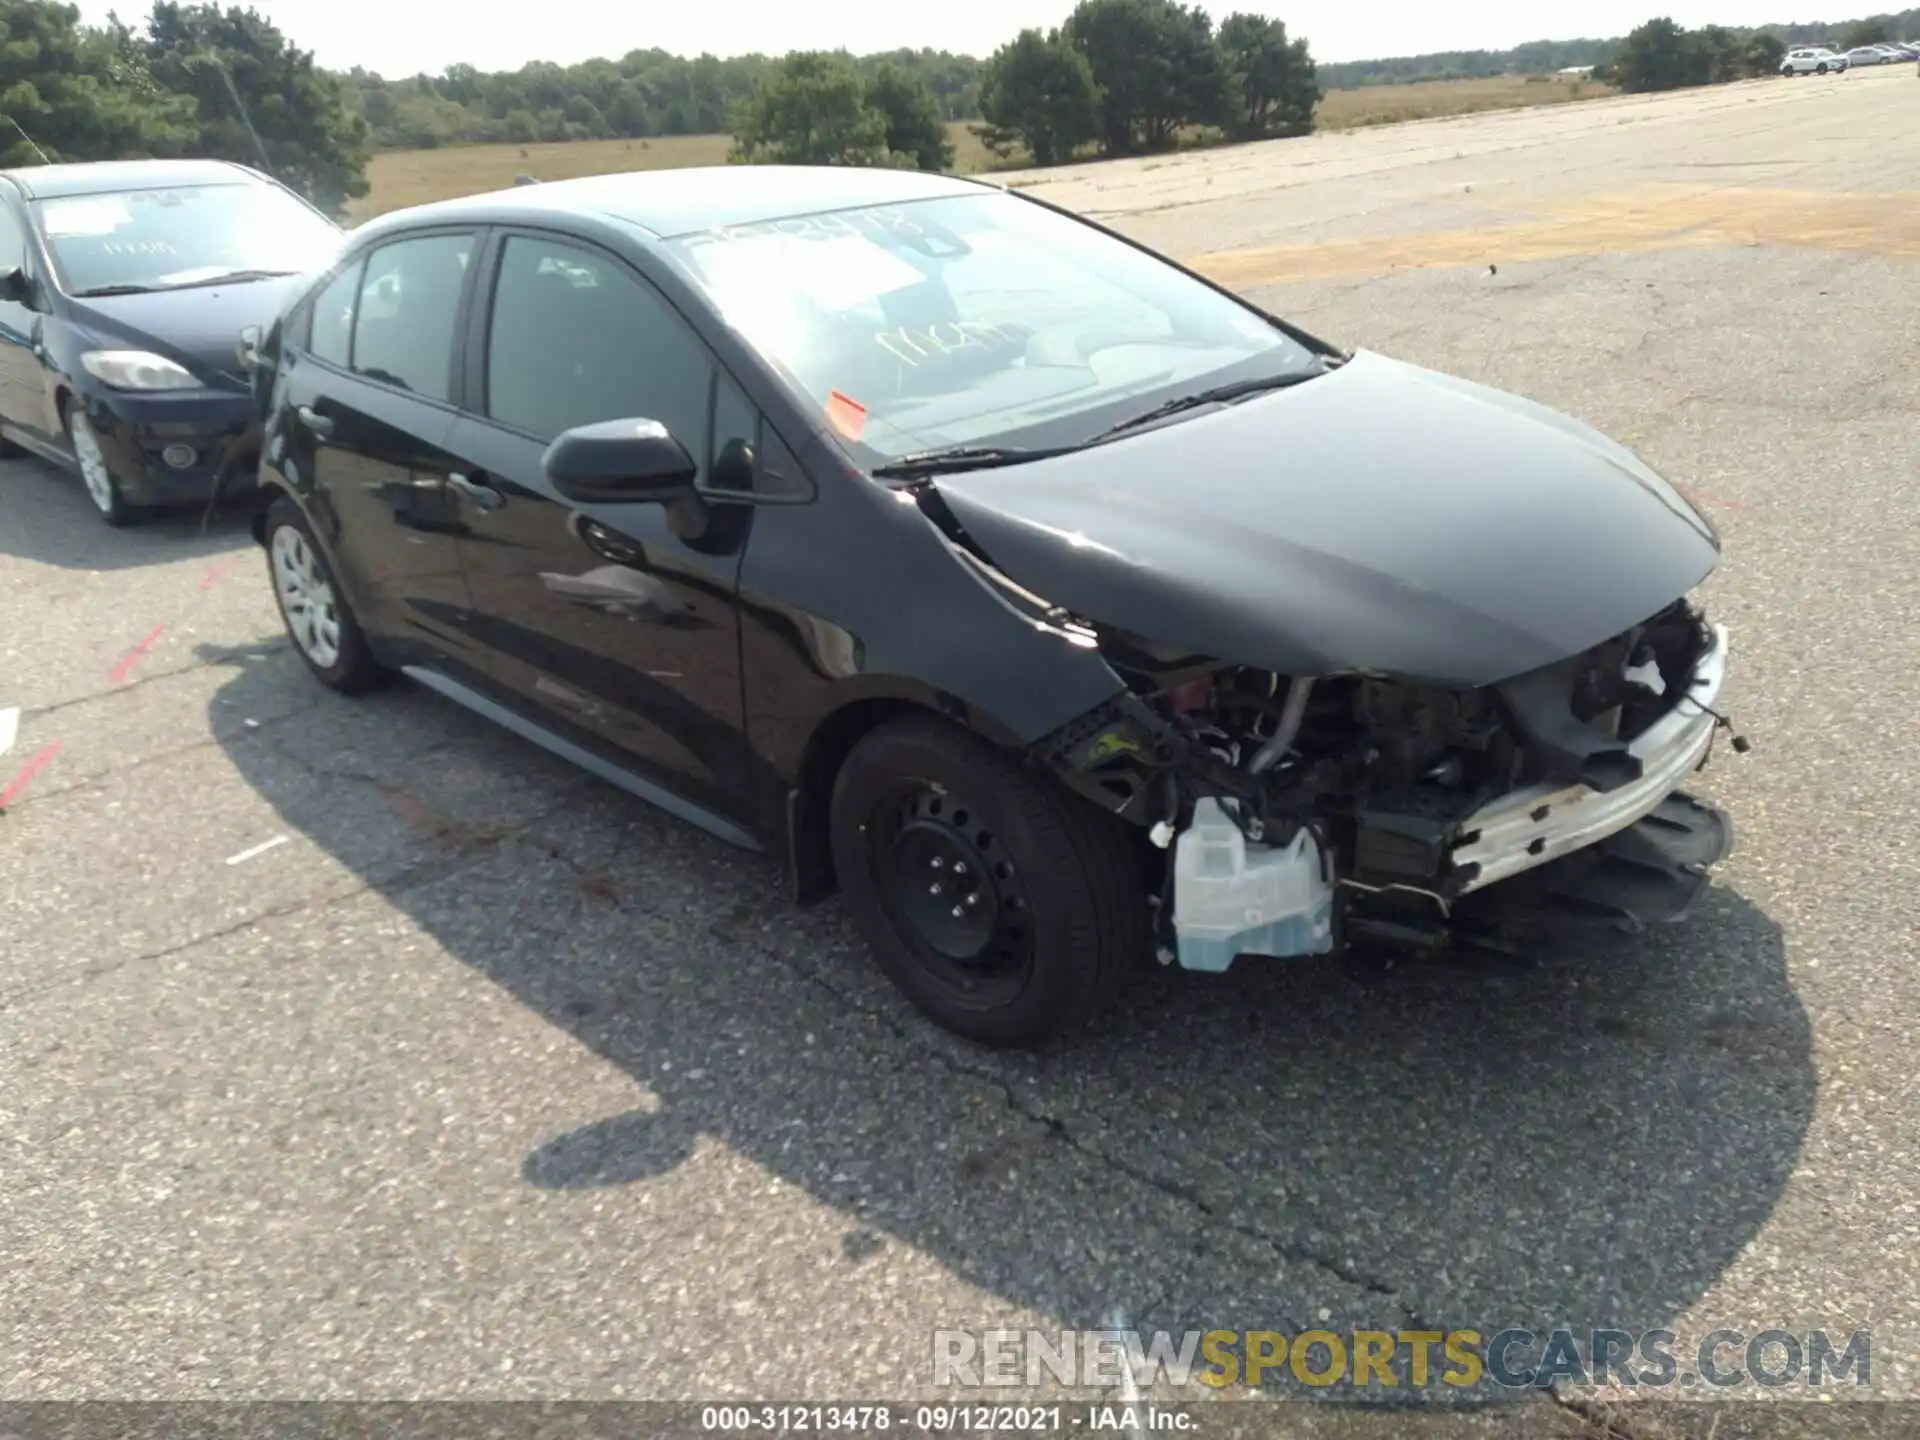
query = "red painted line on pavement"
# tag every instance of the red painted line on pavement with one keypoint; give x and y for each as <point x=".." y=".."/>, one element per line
<point x="215" y="576"/>
<point x="133" y="657"/>
<point x="1713" y="499"/>
<point x="32" y="768"/>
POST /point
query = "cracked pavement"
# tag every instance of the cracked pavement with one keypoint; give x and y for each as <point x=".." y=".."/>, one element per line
<point x="490" y="1081"/>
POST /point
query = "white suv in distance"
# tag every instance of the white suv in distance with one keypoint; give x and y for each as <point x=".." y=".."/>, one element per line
<point x="1812" y="60"/>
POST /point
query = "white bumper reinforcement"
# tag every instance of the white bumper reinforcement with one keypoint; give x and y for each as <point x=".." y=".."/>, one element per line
<point x="1530" y="827"/>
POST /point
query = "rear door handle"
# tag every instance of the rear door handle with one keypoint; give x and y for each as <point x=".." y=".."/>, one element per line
<point x="316" y="422"/>
<point x="483" y="497"/>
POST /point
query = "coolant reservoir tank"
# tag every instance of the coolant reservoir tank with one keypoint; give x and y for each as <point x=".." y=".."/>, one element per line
<point x="1234" y="898"/>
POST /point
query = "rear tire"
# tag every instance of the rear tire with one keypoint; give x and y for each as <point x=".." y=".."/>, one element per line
<point x="1005" y="908"/>
<point x="319" y="621"/>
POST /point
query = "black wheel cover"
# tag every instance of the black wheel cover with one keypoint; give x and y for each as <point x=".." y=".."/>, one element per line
<point x="954" y="894"/>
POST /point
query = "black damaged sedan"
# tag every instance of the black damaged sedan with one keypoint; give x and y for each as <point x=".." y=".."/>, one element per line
<point x="1065" y="612"/>
<point x="125" y="287"/>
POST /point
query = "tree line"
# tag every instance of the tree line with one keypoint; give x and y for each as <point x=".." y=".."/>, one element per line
<point x="1541" y="57"/>
<point x="195" y="80"/>
<point x="1661" y="55"/>
<point x="1118" y="78"/>
<point x="643" y="93"/>
<point x="1538" y="57"/>
<point x="1125" y="76"/>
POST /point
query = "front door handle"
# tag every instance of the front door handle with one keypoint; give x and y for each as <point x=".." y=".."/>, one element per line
<point x="319" y="424"/>
<point x="483" y="497"/>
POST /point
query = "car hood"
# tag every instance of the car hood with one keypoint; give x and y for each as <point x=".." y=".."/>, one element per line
<point x="198" y="327"/>
<point x="1381" y="519"/>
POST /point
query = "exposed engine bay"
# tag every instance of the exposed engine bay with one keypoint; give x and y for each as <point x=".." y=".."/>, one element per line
<point x="1301" y="814"/>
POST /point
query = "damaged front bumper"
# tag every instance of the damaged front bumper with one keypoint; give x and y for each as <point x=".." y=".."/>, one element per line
<point x="1535" y="826"/>
<point x="1627" y="852"/>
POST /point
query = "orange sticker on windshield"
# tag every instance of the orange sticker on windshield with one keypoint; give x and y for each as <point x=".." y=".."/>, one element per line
<point x="849" y="417"/>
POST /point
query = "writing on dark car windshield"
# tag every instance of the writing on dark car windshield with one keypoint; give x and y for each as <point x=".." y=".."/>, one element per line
<point x="976" y="322"/>
<point x="143" y="240"/>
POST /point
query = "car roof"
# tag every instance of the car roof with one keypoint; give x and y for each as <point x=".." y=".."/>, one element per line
<point x="49" y="182"/>
<point x="668" y="203"/>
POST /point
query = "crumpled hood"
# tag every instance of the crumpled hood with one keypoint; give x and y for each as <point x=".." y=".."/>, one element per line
<point x="1382" y="519"/>
<point x="198" y="327"/>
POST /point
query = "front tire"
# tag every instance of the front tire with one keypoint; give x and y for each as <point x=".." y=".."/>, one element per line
<point x="102" y="489"/>
<point x="318" y="620"/>
<point x="1005" y="908"/>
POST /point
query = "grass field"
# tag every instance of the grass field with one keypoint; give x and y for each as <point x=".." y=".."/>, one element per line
<point x="1426" y="99"/>
<point x="413" y="177"/>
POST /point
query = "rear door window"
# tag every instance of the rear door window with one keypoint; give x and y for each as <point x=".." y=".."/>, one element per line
<point x="407" y="308"/>
<point x="331" y="321"/>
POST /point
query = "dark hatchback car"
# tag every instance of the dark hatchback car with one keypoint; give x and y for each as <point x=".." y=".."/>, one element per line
<point x="1063" y="610"/>
<point x="125" y="287"/>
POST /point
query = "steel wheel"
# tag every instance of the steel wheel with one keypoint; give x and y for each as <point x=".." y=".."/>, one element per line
<point x="306" y="598"/>
<point x="954" y="894"/>
<point x="1006" y="908"/>
<point x="94" y="473"/>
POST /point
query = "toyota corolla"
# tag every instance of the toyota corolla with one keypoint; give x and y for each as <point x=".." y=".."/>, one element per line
<point x="1062" y="610"/>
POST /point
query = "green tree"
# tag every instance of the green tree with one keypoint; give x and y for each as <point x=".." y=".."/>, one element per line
<point x="1271" y="77"/>
<point x="80" y="93"/>
<point x="1656" y="57"/>
<point x="1865" y="32"/>
<point x="1037" y="91"/>
<point x="584" y="120"/>
<point x="914" y="127"/>
<point x="810" y="109"/>
<point x="1716" y="56"/>
<point x="627" y="111"/>
<point x="1157" y="66"/>
<point x="1764" y="53"/>
<point x="312" y="140"/>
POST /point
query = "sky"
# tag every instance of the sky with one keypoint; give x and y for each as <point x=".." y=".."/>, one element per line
<point x="404" y="37"/>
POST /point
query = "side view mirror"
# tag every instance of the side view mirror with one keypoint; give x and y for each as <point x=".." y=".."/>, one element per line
<point x="620" y="462"/>
<point x="15" y="287"/>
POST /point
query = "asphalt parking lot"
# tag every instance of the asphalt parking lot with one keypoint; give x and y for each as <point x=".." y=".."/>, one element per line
<point x="483" y="1080"/>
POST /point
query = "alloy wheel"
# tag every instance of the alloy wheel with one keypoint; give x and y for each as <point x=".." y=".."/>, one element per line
<point x="306" y="598"/>
<point x="93" y="464"/>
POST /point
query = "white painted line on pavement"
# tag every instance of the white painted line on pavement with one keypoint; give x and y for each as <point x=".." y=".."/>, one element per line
<point x="9" y="727"/>
<point x="259" y="849"/>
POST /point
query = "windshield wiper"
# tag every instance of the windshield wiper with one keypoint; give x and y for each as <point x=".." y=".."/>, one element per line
<point x="102" y="291"/>
<point x="234" y="277"/>
<point x="1221" y="395"/>
<point x="964" y="457"/>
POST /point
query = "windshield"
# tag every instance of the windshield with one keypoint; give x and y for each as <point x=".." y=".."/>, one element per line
<point x="162" y="239"/>
<point x="975" y="320"/>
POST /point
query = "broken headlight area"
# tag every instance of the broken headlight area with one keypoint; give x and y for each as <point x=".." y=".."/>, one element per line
<point x="1297" y="815"/>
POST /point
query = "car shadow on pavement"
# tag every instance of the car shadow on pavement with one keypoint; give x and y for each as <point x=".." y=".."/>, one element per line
<point x="1589" y="1143"/>
<point x="46" y="519"/>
